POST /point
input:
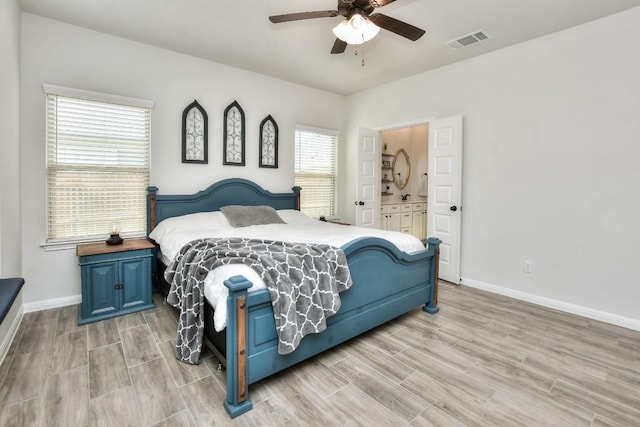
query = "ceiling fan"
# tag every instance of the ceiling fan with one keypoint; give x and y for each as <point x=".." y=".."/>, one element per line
<point x="360" y="24"/>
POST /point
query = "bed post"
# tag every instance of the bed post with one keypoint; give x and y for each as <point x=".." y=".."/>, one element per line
<point x="151" y="208"/>
<point x="237" y="402"/>
<point x="296" y="191"/>
<point x="432" y="306"/>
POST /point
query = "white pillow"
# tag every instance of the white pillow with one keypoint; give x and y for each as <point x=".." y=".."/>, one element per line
<point x="203" y="221"/>
<point x="292" y="216"/>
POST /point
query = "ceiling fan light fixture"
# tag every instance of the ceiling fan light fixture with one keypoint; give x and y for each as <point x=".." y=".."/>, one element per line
<point x="357" y="21"/>
<point x="356" y="30"/>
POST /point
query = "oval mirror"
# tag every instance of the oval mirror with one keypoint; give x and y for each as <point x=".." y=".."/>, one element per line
<point x="401" y="169"/>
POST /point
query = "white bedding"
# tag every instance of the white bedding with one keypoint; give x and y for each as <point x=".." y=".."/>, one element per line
<point x="173" y="233"/>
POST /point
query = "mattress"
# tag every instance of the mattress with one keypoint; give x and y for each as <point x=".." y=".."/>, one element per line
<point x="173" y="233"/>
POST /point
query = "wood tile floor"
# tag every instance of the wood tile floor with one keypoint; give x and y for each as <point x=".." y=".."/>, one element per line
<point x="483" y="360"/>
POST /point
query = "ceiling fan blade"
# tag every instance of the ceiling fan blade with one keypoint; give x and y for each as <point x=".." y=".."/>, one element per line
<point x="380" y="3"/>
<point x="276" y="19"/>
<point x="395" y="26"/>
<point x="339" y="46"/>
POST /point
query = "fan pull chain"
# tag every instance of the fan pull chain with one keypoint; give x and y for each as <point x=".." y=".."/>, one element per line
<point x="355" y="53"/>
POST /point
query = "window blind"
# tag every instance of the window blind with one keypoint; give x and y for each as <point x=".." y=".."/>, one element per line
<point x="316" y="159"/>
<point x="97" y="168"/>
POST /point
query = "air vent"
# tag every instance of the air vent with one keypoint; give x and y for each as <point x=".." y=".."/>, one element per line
<point x="468" y="40"/>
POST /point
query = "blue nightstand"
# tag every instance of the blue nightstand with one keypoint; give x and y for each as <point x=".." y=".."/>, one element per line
<point x="116" y="279"/>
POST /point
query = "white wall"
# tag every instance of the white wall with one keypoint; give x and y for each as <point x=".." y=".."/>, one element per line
<point x="551" y="152"/>
<point x="61" y="54"/>
<point x="10" y="222"/>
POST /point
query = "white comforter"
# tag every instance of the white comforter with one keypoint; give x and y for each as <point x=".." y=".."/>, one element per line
<point x="173" y="233"/>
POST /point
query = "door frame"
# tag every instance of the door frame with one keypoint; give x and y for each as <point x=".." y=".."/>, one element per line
<point x="379" y="129"/>
<point x="401" y="125"/>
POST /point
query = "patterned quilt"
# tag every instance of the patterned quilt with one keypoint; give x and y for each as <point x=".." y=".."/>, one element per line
<point x="304" y="282"/>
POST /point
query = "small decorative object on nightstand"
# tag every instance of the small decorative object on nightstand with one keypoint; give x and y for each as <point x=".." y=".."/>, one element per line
<point x="114" y="236"/>
<point x="116" y="279"/>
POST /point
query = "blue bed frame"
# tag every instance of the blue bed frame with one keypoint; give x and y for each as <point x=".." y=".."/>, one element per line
<point x="386" y="284"/>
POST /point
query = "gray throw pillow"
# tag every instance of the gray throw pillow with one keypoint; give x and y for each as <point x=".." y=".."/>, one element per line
<point x="243" y="216"/>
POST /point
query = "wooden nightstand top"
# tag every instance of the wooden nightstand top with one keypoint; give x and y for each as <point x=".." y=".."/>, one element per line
<point x="337" y="221"/>
<point x="103" y="248"/>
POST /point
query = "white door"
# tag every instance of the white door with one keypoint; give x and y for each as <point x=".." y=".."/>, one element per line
<point x="445" y="192"/>
<point x="367" y="201"/>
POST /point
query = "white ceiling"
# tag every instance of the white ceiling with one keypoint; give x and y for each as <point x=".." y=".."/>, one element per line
<point x="238" y="33"/>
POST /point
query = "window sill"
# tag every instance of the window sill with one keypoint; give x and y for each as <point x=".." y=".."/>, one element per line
<point x="71" y="244"/>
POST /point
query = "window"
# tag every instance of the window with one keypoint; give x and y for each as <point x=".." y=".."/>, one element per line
<point x="97" y="164"/>
<point x="316" y="164"/>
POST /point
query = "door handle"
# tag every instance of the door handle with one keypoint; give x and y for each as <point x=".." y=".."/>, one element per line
<point x="358" y="203"/>
<point x="453" y="208"/>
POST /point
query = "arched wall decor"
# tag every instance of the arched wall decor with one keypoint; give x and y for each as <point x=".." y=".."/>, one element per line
<point x="233" y="151"/>
<point x="268" y="143"/>
<point x="195" y="134"/>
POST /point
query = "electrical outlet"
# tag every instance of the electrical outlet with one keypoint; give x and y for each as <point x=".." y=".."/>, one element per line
<point x="528" y="267"/>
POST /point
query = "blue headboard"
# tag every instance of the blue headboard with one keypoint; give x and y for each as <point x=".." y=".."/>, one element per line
<point x="232" y="191"/>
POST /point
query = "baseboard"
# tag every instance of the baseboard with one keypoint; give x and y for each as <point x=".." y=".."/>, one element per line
<point x="13" y="328"/>
<point x="614" y="319"/>
<point x="52" y="303"/>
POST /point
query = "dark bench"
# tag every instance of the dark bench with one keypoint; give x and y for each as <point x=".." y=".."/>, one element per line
<point x="9" y="290"/>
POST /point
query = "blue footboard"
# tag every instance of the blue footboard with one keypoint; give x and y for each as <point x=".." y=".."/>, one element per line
<point x="386" y="284"/>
